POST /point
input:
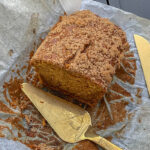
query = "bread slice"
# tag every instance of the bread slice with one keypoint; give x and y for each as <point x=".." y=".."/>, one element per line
<point x="80" y="55"/>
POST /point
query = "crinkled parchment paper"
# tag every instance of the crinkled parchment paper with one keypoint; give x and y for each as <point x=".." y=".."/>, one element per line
<point x="18" y="20"/>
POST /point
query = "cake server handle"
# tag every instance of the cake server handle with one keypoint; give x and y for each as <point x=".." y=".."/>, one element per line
<point x="100" y="141"/>
<point x="71" y="6"/>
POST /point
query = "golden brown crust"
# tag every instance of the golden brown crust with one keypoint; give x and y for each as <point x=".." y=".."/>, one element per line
<point x="84" y="45"/>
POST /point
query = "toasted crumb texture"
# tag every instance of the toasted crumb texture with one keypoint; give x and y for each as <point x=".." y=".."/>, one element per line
<point x="80" y="55"/>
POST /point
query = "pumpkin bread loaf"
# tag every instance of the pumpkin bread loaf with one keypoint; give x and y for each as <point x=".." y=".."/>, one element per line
<point x="79" y="56"/>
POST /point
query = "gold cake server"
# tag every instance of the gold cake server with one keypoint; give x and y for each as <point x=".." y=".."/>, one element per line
<point x="70" y="122"/>
<point x="143" y="47"/>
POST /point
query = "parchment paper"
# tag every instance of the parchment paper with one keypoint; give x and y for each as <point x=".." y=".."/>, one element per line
<point x="17" y="21"/>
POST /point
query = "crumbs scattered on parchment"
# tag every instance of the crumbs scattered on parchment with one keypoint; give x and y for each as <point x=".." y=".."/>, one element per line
<point x="36" y="124"/>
